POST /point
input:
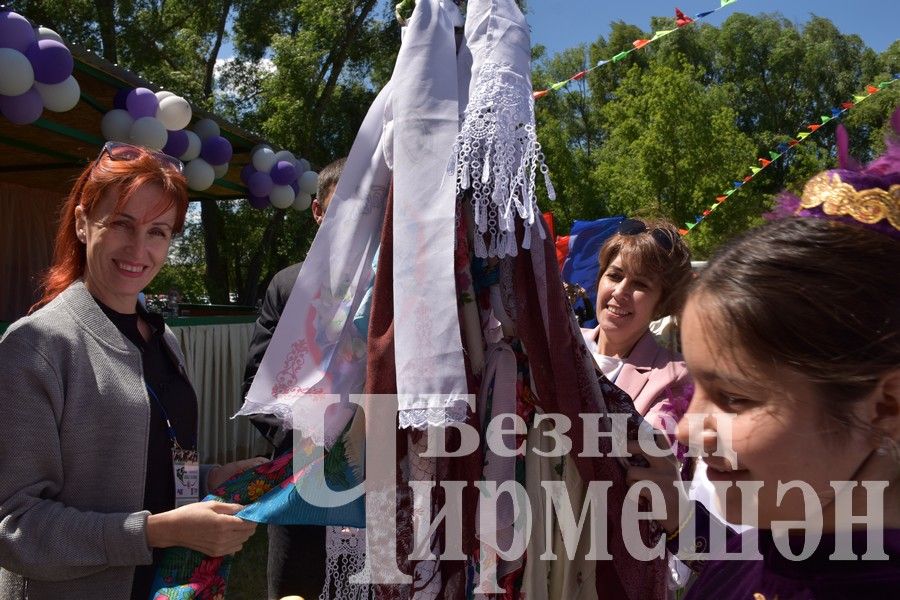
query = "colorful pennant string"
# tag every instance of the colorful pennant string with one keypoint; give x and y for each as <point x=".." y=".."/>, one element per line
<point x="681" y="20"/>
<point x="782" y="148"/>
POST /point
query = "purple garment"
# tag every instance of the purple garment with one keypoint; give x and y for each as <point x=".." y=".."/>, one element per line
<point x="816" y="578"/>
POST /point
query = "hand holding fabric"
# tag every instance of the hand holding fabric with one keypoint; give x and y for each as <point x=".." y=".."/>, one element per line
<point x="207" y="527"/>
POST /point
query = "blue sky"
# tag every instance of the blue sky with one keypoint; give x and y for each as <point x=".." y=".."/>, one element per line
<point x="561" y="24"/>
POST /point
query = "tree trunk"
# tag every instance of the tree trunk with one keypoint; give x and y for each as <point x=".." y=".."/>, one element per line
<point x="213" y="234"/>
<point x="216" y="269"/>
<point x="106" y="20"/>
<point x="249" y="290"/>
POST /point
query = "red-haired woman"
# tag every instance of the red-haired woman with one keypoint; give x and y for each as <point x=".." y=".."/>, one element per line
<point x="98" y="436"/>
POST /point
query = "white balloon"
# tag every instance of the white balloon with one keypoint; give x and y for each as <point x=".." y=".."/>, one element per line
<point x="193" y="150"/>
<point x="162" y="94"/>
<point x="206" y="128"/>
<point x="263" y="159"/>
<point x="301" y="201"/>
<point x="45" y="33"/>
<point x="285" y="155"/>
<point x="302" y="166"/>
<point x="308" y="182"/>
<point x="174" y="112"/>
<point x="116" y="125"/>
<point x="148" y="132"/>
<point x="199" y="174"/>
<point x="59" y="97"/>
<point x="257" y="147"/>
<point x="281" y="196"/>
<point x="220" y="170"/>
<point x="16" y="73"/>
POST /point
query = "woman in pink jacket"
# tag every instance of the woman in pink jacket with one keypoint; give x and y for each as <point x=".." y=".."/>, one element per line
<point x="645" y="269"/>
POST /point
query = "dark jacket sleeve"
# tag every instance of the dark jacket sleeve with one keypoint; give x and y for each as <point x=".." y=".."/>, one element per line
<point x="277" y="295"/>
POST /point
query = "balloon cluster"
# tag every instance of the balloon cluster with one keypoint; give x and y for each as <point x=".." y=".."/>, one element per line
<point x="157" y="121"/>
<point x="35" y="71"/>
<point x="279" y="179"/>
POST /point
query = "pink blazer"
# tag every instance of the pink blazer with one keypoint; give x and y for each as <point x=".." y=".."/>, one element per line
<point x="655" y="378"/>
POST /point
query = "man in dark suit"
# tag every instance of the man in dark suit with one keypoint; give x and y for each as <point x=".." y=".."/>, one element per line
<point x="296" y="563"/>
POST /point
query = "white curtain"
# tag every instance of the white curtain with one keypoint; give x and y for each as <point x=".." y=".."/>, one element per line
<point x="215" y="357"/>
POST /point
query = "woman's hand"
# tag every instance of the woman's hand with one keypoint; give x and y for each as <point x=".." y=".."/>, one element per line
<point x="207" y="527"/>
<point x="665" y="472"/>
<point x="222" y="473"/>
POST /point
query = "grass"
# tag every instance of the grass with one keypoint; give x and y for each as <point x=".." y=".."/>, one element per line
<point x="248" y="572"/>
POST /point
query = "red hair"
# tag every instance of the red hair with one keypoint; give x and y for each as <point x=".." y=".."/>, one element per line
<point x="70" y="254"/>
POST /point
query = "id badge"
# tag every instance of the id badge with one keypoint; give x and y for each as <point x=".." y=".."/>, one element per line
<point x="186" y="468"/>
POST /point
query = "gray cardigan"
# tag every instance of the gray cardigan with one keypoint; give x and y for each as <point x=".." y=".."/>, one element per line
<point x="73" y="452"/>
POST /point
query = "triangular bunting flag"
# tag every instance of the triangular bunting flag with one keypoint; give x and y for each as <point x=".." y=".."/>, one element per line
<point x="824" y="119"/>
<point x="681" y="19"/>
<point x="803" y="135"/>
<point x="764" y="162"/>
<point x="706" y="212"/>
<point x="755" y="170"/>
<point x="871" y="89"/>
<point x="600" y="63"/>
<point x="738" y="184"/>
<point x="847" y="105"/>
<point x="729" y="192"/>
<point x="559" y="85"/>
<point x="638" y="44"/>
<point x="726" y="3"/>
<point x="713" y="206"/>
<point x="682" y="232"/>
<point x="836" y="112"/>
<point x="776" y="155"/>
<point x="690" y="225"/>
<point x="620" y="55"/>
<point x="661" y="33"/>
<point x="858" y="98"/>
<point x="705" y="13"/>
<point x="782" y="147"/>
<point x="578" y="76"/>
<point x="884" y="84"/>
<point x="813" y="127"/>
<point x="540" y="94"/>
<point x="748" y="178"/>
<point x="721" y="199"/>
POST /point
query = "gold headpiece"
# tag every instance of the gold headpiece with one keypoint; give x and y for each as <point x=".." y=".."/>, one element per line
<point x="836" y="198"/>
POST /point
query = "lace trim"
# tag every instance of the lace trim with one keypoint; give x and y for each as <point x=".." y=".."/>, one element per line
<point x="496" y="155"/>
<point x="345" y="555"/>
<point x="433" y="416"/>
<point x="283" y="412"/>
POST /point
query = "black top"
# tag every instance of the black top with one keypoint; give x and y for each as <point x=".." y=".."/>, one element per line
<point x="176" y="395"/>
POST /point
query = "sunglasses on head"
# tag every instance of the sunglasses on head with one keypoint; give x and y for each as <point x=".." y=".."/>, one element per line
<point x="123" y="151"/>
<point x="662" y="236"/>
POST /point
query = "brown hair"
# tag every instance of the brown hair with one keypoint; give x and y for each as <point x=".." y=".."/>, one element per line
<point x="819" y="297"/>
<point x="644" y="254"/>
<point x="70" y="255"/>
<point x="328" y="179"/>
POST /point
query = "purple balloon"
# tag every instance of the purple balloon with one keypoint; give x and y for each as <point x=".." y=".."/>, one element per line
<point x="260" y="184"/>
<point x="51" y="60"/>
<point x="177" y="143"/>
<point x="295" y="185"/>
<point x="216" y="150"/>
<point x="141" y="102"/>
<point x="23" y="109"/>
<point x="283" y="173"/>
<point x="15" y="31"/>
<point x="119" y="101"/>
<point x="246" y="172"/>
<point x="258" y="202"/>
